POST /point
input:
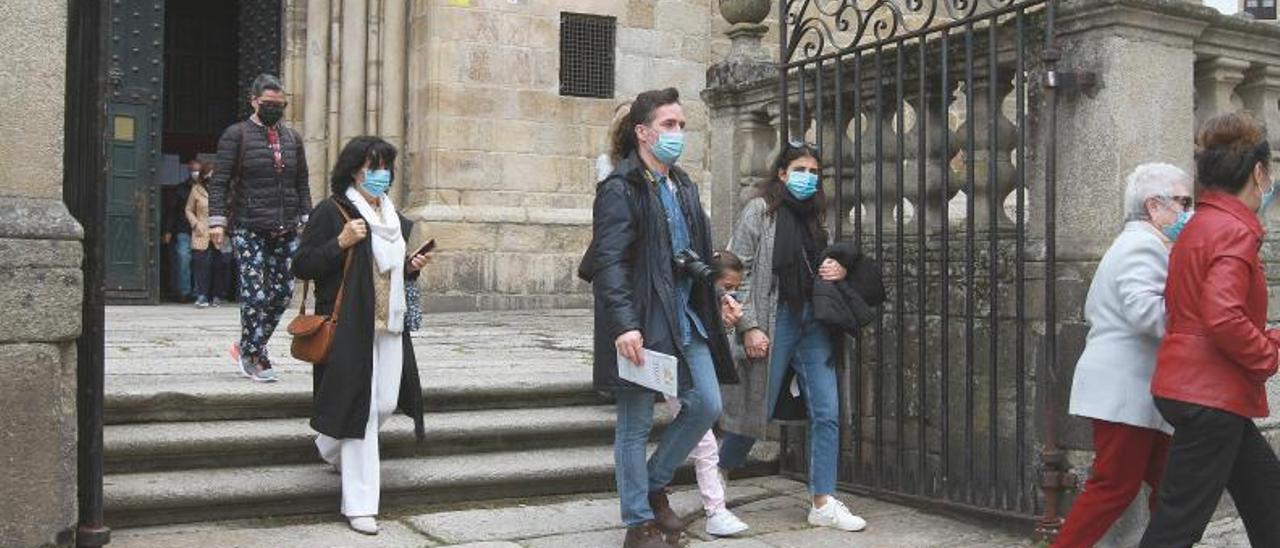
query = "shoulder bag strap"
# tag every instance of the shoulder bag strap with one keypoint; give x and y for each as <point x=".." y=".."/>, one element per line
<point x="346" y="265"/>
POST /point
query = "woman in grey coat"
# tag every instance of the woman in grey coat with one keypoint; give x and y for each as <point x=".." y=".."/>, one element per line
<point x="781" y="240"/>
<point x="1112" y="387"/>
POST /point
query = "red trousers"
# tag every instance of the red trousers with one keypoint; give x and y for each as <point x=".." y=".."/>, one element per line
<point x="1124" y="457"/>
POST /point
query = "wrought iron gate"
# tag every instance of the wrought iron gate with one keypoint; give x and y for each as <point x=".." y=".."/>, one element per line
<point x="919" y="109"/>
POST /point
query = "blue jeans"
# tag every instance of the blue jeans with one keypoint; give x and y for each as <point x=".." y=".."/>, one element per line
<point x="700" y="407"/>
<point x="182" y="263"/>
<point x="804" y="345"/>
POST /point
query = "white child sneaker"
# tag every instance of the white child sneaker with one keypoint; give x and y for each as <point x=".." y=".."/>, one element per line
<point x="836" y="515"/>
<point x="724" y="524"/>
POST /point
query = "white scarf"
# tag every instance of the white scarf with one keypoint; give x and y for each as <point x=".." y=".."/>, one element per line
<point x="388" y="251"/>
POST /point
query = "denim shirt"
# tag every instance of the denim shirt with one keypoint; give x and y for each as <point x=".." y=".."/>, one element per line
<point x="680" y="241"/>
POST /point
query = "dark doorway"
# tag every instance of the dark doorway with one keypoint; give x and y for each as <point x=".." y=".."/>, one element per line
<point x="177" y="75"/>
<point x="200" y="78"/>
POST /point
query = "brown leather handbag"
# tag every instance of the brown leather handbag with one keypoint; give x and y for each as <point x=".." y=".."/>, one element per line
<point x="313" y="333"/>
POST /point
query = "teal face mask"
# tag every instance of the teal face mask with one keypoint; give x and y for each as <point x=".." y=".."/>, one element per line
<point x="1172" y="231"/>
<point x="376" y="181"/>
<point x="669" y="147"/>
<point x="1267" y="198"/>
<point x="802" y="184"/>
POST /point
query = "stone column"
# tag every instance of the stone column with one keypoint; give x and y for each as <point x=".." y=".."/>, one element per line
<point x="739" y="89"/>
<point x="1142" y="54"/>
<point x="354" y="45"/>
<point x="395" y="47"/>
<point x="334" y="77"/>
<point x="40" y="261"/>
<point x="1216" y="81"/>
<point x="394" y="66"/>
<point x="373" y="65"/>
<point x="316" y="109"/>
<point x="1260" y="93"/>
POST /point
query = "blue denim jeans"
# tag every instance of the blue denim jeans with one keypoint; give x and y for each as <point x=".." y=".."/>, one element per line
<point x="804" y="345"/>
<point x="182" y="263"/>
<point x="700" y="407"/>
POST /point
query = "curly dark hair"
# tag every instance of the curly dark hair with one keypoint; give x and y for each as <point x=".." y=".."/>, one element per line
<point x="365" y="148"/>
<point x="642" y="112"/>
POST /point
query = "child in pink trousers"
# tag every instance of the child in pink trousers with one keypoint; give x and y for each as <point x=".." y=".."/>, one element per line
<point x="706" y="456"/>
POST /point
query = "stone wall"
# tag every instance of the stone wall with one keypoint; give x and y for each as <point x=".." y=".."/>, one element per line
<point x="1186" y="63"/>
<point x="40" y="258"/>
<point x="1161" y="66"/>
<point x="497" y="166"/>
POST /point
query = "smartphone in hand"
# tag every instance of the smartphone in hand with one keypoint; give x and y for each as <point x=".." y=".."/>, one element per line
<point x="425" y="249"/>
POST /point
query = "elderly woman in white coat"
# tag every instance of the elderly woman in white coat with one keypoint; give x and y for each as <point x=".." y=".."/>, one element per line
<point x="1112" y="387"/>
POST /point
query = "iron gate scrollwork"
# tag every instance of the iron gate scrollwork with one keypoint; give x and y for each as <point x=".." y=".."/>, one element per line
<point x="919" y="109"/>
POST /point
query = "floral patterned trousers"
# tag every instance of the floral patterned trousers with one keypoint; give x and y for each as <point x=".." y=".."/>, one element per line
<point x="266" y="285"/>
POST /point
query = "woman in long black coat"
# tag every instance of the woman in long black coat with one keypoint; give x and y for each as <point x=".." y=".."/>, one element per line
<point x="370" y="370"/>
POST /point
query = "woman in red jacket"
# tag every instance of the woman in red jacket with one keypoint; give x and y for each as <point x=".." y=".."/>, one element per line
<point x="1212" y="367"/>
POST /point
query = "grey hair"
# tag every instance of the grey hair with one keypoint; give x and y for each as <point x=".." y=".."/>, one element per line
<point x="265" y="82"/>
<point x="1150" y="180"/>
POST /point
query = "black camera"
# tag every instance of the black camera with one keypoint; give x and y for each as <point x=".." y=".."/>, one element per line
<point x="688" y="262"/>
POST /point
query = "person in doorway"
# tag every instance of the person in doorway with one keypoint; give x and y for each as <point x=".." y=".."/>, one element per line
<point x="261" y="162"/>
<point x="1213" y="364"/>
<point x="781" y="239"/>
<point x="1125" y="309"/>
<point x="721" y="522"/>
<point x="371" y="369"/>
<point x="646" y="213"/>
<point x="177" y="231"/>
<point x="210" y="266"/>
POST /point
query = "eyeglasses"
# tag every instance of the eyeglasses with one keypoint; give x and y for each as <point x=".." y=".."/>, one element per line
<point x="283" y="104"/>
<point x="1185" y="201"/>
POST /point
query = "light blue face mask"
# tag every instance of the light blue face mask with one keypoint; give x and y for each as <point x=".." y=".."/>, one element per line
<point x="802" y="184"/>
<point x="1267" y="198"/>
<point x="669" y="147"/>
<point x="376" y="181"/>
<point x="1172" y="231"/>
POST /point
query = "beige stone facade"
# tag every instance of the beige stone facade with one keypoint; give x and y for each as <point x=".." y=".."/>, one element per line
<point x="40" y="257"/>
<point x="499" y="166"/>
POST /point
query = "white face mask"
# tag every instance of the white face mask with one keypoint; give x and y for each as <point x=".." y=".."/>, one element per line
<point x="195" y="174"/>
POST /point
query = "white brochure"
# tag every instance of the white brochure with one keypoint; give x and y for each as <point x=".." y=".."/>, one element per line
<point x="657" y="373"/>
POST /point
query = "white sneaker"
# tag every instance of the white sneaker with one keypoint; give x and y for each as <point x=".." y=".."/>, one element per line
<point x="836" y="515"/>
<point x="364" y="525"/>
<point x="724" y="524"/>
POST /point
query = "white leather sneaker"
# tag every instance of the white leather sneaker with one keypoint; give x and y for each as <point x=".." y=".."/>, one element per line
<point x="365" y="525"/>
<point x="836" y="515"/>
<point x="724" y="524"/>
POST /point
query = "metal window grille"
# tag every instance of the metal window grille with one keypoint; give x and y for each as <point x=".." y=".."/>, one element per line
<point x="587" y="54"/>
<point x="1261" y="9"/>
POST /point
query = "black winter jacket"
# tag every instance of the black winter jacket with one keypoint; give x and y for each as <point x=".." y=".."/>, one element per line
<point x="631" y="270"/>
<point x="342" y="385"/>
<point x="261" y="199"/>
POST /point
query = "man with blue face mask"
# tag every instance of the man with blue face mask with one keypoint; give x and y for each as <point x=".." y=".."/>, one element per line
<point x="646" y="214"/>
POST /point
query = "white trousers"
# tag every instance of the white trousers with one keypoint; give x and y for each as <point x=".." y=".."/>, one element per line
<point x="358" y="459"/>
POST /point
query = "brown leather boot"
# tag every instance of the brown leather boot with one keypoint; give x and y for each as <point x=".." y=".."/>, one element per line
<point x="647" y="535"/>
<point x="664" y="516"/>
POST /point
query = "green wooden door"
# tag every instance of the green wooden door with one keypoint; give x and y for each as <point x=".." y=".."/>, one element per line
<point x="135" y="78"/>
<point x="128" y="202"/>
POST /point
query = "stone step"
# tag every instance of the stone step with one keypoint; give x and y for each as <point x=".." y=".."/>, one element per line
<point x="232" y="398"/>
<point x="148" y="447"/>
<point x="153" y="498"/>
